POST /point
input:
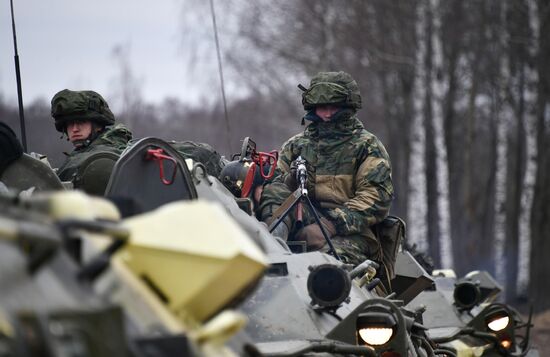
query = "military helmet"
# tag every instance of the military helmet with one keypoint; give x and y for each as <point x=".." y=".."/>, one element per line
<point x="241" y="177"/>
<point x="80" y="105"/>
<point x="337" y="88"/>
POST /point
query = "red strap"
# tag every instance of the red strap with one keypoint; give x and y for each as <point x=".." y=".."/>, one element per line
<point x="249" y="180"/>
<point x="266" y="158"/>
<point x="159" y="156"/>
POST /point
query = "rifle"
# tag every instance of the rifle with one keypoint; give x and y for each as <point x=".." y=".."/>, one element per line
<point x="297" y="198"/>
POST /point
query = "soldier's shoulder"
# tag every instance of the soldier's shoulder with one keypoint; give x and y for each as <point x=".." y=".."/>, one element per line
<point x="372" y="144"/>
<point x="293" y="140"/>
<point x="192" y="145"/>
<point x="118" y="131"/>
<point x="201" y="152"/>
<point x="113" y="139"/>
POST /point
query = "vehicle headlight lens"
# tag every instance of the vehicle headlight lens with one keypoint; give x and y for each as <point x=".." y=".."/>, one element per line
<point x="376" y="336"/>
<point x="497" y="318"/>
<point x="498" y="323"/>
<point x="376" y="326"/>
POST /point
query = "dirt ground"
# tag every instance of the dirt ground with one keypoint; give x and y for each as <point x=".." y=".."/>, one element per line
<point x="541" y="332"/>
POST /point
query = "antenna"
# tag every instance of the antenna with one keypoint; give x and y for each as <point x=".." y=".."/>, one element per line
<point x="220" y="70"/>
<point x="18" y="78"/>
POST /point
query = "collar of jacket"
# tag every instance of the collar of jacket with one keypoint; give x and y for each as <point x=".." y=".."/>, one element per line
<point x="117" y="136"/>
<point x="334" y="129"/>
<point x="80" y="145"/>
<point x="342" y="114"/>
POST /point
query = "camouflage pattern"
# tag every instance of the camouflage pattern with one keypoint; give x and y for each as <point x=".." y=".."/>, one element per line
<point x="337" y="88"/>
<point x="354" y="249"/>
<point x="113" y="140"/>
<point x="70" y="105"/>
<point x="201" y="152"/>
<point x="349" y="178"/>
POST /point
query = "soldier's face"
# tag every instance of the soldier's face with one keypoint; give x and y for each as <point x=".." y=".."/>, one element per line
<point x="325" y="112"/>
<point x="78" y="130"/>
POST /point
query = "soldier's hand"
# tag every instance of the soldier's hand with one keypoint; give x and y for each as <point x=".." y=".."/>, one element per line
<point x="290" y="179"/>
<point x="313" y="235"/>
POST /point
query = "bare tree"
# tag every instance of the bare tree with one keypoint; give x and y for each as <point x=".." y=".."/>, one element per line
<point x="540" y="264"/>
<point x="127" y="86"/>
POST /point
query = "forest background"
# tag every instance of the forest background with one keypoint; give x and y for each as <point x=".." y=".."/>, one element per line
<point x="458" y="91"/>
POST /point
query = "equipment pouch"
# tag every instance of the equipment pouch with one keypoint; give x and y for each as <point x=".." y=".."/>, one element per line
<point x="390" y="233"/>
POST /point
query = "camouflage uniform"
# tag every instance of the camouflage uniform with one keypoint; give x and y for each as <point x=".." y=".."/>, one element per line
<point x="201" y="152"/>
<point x="349" y="172"/>
<point x="112" y="140"/>
<point x="89" y="165"/>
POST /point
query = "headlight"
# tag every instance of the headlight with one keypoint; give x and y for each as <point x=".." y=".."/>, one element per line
<point x="499" y="323"/>
<point x="376" y="328"/>
<point x="497" y="318"/>
<point x="376" y="336"/>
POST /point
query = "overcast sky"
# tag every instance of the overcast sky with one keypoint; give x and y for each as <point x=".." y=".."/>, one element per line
<point x="69" y="44"/>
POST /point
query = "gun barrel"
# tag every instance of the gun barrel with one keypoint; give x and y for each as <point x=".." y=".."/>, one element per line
<point x="301" y="171"/>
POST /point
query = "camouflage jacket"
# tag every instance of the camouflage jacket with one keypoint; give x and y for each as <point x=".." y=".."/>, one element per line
<point x="202" y="153"/>
<point x="113" y="140"/>
<point x="349" y="173"/>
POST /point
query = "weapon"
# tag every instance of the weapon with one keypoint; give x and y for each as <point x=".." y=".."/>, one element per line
<point x="301" y="173"/>
<point x="264" y="162"/>
<point x="297" y="198"/>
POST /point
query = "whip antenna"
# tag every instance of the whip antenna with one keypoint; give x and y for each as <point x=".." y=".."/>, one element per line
<point x="18" y="79"/>
<point x="220" y="71"/>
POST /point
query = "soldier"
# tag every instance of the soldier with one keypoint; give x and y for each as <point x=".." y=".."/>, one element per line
<point x="349" y="173"/>
<point x="243" y="183"/>
<point x="85" y="117"/>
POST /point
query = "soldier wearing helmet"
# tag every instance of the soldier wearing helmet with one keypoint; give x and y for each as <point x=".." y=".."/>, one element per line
<point x="349" y="172"/>
<point x="85" y="118"/>
<point x="246" y="174"/>
<point x="244" y="179"/>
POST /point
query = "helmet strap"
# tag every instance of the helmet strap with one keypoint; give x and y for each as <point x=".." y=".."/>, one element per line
<point x="96" y="131"/>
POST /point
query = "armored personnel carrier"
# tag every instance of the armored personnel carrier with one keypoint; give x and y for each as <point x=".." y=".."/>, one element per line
<point x="308" y="302"/>
<point x="76" y="280"/>
<point x="192" y="273"/>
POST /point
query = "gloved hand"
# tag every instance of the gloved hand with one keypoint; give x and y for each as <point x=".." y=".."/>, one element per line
<point x="313" y="235"/>
<point x="290" y="179"/>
